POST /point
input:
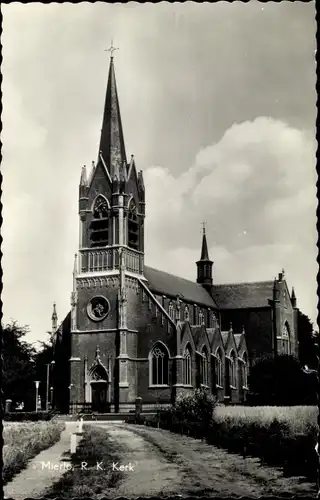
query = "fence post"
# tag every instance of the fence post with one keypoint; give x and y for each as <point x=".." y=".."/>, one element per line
<point x="8" y="405"/>
<point x="138" y="408"/>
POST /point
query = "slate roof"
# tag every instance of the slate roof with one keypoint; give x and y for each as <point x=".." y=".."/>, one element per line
<point x="237" y="339"/>
<point x="243" y="295"/>
<point x="225" y="336"/>
<point x="196" y="333"/>
<point x="163" y="283"/>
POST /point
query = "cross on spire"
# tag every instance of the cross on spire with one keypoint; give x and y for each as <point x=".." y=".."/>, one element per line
<point x="111" y="49"/>
<point x="203" y="223"/>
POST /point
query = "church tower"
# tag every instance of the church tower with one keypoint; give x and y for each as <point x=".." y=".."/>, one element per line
<point x="204" y="265"/>
<point x="111" y="252"/>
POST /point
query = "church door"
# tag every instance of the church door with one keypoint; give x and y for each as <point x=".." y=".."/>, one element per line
<point x="99" y="396"/>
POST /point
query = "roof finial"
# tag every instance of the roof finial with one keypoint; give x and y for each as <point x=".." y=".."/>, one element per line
<point x="203" y="227"/>
<point x="111" y="49"/>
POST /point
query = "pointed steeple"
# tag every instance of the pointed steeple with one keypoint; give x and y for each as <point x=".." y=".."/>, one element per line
<point x="204" y="249"/>
<point x="204" y="264"/>
<point x="112" y="146"/>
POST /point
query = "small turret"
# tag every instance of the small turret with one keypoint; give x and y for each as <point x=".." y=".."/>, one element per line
<point x="204" y="265"/>
<point x="54" y="319"/>
<point x="276" y="291"/>
<point x="293" y="298"/>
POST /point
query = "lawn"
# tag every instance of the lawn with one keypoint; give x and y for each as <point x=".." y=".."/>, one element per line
<point x="94" y="448"/>
<point x="23" y="441"/>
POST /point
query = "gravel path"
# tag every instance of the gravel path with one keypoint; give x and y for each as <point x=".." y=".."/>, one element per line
<point x="32" y="481"/>
<point x="168" y="464"/>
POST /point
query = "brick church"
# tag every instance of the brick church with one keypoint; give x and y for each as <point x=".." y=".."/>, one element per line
<point x="134" y="331"/>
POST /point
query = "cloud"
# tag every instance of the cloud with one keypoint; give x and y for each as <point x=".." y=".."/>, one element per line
<point x="256" y="190"/>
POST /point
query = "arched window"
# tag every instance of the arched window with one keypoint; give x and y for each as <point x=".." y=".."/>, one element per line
<point x="204" y="366"/>
<point x="159" y="365"/>
<point x="201" y="317"/>
<point x="245" y="370"/>
<point x="218" y="367"/>
<point x="232" y="364"/>
<point x="98" y="372"/>
<point x="186" y="313"/>
<point x="283" y="342"/>
<point x="187" y="366"/>
<point x="99" y="227"/>
<point x="171" y="311"/>
<point x="133" y="226"/>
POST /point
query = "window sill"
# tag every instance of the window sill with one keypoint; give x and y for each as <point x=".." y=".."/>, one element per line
<point x="160" y="386"/>
<point x="205" y="386"/>
<point x="219" y="386"/>
<point x="245" y="388"/>
<point x="233" y="387"/>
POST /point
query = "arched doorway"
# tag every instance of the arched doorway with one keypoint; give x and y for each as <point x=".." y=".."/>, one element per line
<point x="99" y="389"/>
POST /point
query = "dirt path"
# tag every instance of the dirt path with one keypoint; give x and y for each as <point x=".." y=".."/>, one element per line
<point x="43" y="470"/>
<point x="163" y="463"/>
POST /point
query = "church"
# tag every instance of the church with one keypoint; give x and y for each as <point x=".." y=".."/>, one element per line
<point x="137" y="332"/>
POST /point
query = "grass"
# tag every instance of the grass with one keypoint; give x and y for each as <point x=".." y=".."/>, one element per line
<point x="95" y="447"/>
<point x="298" y="418"/>
<point x="280" y="436"/>
<point x="23" y="441"/>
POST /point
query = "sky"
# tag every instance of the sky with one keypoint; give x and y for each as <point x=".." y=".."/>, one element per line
<point x="218" y="106"/>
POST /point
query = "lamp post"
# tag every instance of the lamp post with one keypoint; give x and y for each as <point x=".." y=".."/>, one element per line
<point x="47" y="387"/>
<point x="51" y="397"/>
<point x="37" y="382"/>
<point x="70" y="401"/>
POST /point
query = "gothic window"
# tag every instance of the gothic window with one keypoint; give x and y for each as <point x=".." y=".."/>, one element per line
<point x="218" y="363"/>
<point x="283" y="341"/>
<point x="98" y="373"/>
<point x="195" y="315"/>
<point x="232" y="366"/>
<point x="133" y="226"/>
<point x="159" y="365"/>
<point x="204" y="366"/>
<point x="99" y="227"/>
<point x="171" y="311"/>
<point x="187" y="366"/>
<point x="186" y="313"/>
<point x="201" y="317"/>
<point x="245" y="371"/>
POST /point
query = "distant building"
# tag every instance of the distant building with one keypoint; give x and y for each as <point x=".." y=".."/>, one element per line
<point x="134" y="331"/>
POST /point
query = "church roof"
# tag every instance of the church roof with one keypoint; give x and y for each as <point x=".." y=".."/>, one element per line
<point x="237" y="338"/>
<point x="243" y="295"/>
<point x="225" y="336"/>
<point x="196" y="333"/>
<point x="164" y="283"/>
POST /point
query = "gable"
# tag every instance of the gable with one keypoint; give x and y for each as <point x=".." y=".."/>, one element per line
<point x="167" y="284"/>
<point x="243" y="295"/>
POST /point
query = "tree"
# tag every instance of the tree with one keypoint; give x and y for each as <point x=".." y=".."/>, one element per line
<point x="306" y="338"/>
<point x="43" y="358"/>
<point x="280" y="381"/>
<point x="18" y="366"/>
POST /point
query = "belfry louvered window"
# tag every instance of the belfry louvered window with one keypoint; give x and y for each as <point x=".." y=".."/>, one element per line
<point x="133" y="227"/>
<point x="99" y="227"/>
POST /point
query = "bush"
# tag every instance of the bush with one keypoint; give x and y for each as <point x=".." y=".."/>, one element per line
<point x="23" y="416"/>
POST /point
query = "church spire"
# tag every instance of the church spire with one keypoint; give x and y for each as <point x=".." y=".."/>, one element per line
<point x="204" y="249"/>
<point x="204" y="265"/>
<point x="112" y="146"/>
